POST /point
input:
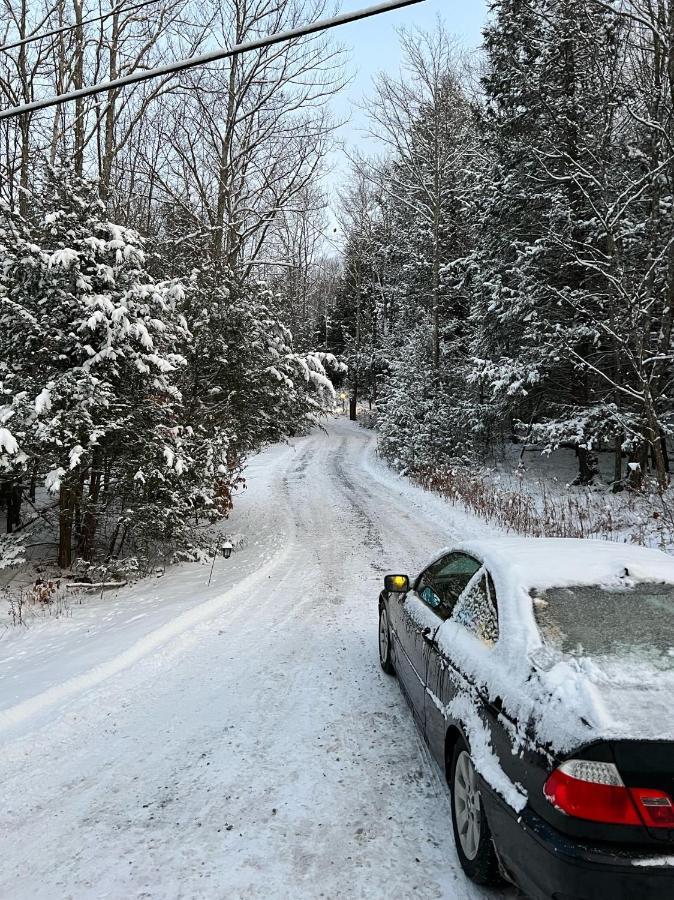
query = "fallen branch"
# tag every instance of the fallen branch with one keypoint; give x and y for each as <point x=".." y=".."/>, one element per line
<point x="90" y="586"/>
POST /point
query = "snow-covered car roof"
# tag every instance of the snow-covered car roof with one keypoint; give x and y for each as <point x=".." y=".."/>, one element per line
<point x="574" y="700"/>
<point x="544" y="563"/>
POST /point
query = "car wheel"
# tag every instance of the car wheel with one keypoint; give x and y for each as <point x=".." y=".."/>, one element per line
<point x="472" y="836"/>
<point x="385" y="642"/>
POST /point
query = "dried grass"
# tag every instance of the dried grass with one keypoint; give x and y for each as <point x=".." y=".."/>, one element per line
<point x="535" y="511"/>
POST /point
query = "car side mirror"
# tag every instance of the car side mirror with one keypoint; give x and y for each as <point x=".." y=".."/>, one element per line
<point x="396" y="584"/>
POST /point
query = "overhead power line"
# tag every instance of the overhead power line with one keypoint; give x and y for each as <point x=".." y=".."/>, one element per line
<point x="206" y="58"/>
<point x="63" y="28"/>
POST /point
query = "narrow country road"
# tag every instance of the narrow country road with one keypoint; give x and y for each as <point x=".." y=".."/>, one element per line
<point x="236" y="740"/>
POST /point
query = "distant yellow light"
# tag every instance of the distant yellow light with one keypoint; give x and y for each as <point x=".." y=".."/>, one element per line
<point x="399" y="582"/>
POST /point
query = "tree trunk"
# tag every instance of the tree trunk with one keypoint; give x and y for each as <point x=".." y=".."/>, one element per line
<point x="24" y="120"/>
<point x="78" y="82"/>
<point x="618" y="464"/>
<point x="113" y="541"/>
<point x="61" y="56"/>
<point x="637" y="462"/>
<point x="90" y="519"/>
<point x="436" y="272"/>
<point x="665" y="452"/>
<point x="13" y="493"/>
<point x="654" y="436"/>
<point x="438" y="189"/>
<point x="121" y="543"/>
<point x="224" y="201"/>
<point x="109" y="139"/>
<point x="66" y="509"/>
<point x="588" y="466"/>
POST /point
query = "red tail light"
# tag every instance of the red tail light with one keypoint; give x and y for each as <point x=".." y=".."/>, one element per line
<point x="595" y="791"/>
<point x="655" y="807"/>
<point x="591" y="790"/>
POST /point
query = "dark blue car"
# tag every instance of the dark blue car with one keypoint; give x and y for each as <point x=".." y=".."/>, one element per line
<point x="541" y="673"/>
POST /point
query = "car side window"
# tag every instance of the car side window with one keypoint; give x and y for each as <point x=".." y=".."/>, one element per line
<point x="477" y="610"/>
<point x="441" y="585"/>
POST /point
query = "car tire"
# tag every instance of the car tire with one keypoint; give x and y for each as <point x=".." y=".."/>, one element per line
<point x="472" y="836"/>
<point x="385" y="642"/>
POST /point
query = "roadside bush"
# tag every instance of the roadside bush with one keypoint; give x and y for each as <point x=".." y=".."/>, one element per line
<point x="536" y="511"/>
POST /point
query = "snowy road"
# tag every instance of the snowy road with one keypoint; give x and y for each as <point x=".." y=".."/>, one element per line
<point x="237" y="740"/>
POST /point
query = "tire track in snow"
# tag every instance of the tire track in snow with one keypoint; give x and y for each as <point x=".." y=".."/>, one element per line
<point x="198" y="615"/>
<point x="261" y="754"/>
<point x="201" y="614"/>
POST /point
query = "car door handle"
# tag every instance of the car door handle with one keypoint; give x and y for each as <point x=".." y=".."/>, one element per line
<point x="429" y="637"/>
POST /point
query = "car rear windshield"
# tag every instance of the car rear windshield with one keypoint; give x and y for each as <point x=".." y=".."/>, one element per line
<point x="634" y="620"/>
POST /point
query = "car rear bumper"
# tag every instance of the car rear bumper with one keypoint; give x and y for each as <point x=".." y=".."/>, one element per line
<point x="548" y="865"/>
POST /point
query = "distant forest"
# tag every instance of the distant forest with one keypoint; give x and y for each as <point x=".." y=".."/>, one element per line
<point x="509" y="271"/>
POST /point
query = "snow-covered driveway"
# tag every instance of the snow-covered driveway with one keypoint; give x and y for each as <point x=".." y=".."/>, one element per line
<point x="237" y="740"/>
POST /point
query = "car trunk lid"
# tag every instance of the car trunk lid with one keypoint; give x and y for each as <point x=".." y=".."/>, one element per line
<point x="648" y="765"/>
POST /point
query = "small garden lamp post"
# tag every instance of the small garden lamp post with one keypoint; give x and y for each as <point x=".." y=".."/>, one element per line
<point x="226" y="550"/>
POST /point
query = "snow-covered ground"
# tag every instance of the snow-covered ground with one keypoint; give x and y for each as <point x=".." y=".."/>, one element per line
<point x="239" y="740"/>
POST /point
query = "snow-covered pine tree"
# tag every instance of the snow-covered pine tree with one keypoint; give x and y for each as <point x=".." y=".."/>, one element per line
<point x="135" y="422"/>
<point x="424" y="117"/>
<point x="541" y="293"/>
<point x="243" y="378"/>
<point x="89" y="350"/>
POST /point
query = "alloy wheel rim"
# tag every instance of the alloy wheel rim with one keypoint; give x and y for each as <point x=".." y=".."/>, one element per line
<point x="467" y="806"/>
<point x="383" y="636"/>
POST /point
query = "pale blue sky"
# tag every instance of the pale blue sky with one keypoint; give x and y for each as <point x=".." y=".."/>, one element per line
<point x="374" y="45"/>
<point x="374" y="48"/>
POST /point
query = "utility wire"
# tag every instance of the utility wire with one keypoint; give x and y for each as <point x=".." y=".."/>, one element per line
<point x="213" y="56"/>
<point x="45" y="34"/>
